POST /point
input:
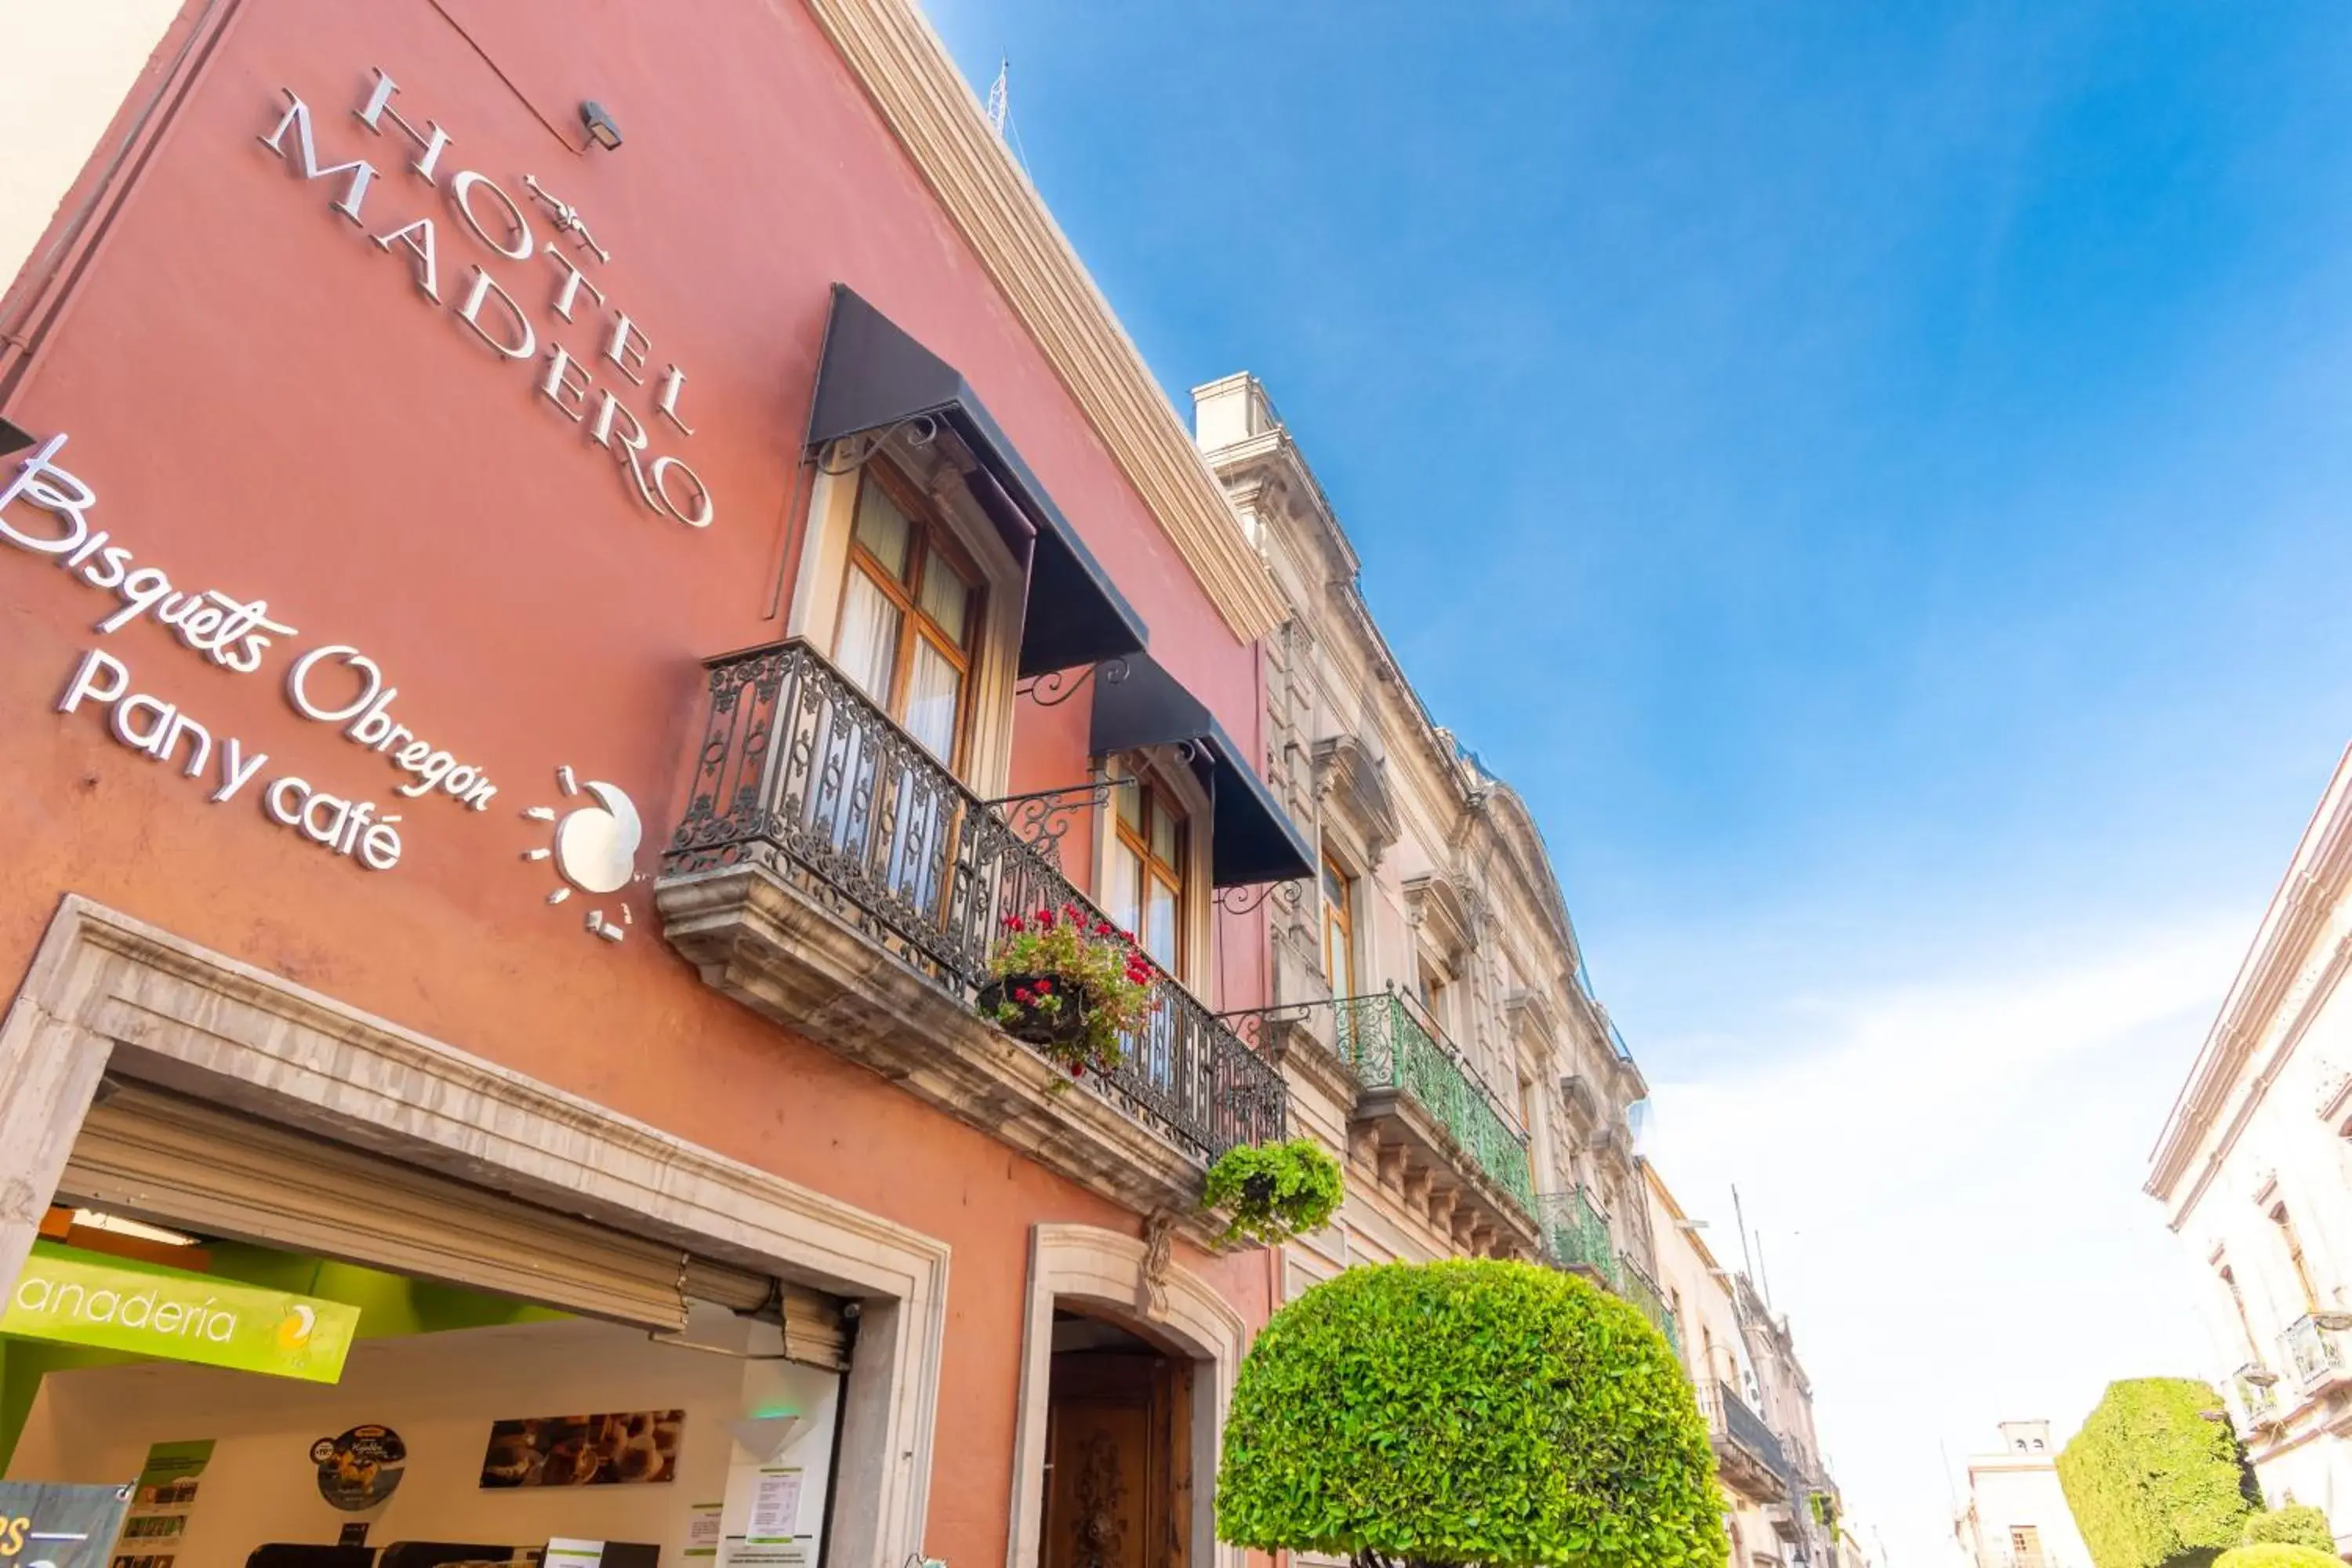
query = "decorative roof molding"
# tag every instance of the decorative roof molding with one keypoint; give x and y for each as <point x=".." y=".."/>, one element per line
<point x="2281" y="978"/>
<point x="929" y="108"/>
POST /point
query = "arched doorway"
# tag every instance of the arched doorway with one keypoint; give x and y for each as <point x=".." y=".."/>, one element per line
<point x="1127" y="1364"/>
<point x="1118" y="1451"/>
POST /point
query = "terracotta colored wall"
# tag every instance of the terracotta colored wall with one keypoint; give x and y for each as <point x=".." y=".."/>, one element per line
<point x="266" y="405"/>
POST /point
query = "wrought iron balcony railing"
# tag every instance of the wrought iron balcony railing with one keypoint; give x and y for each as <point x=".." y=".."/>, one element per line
<point x="799" y="773"/>
<point x="1576" y="1234"/>
<point x="1636" y="1286"/>
<point x="2256" y="1389"/>
<point x="2315" y="1350"/>
<point x="1388" y="1046"/>
<point x="1739" y="1425"/>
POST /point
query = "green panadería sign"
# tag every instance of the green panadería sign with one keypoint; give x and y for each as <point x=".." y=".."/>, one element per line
<point x="70" y="1297"/>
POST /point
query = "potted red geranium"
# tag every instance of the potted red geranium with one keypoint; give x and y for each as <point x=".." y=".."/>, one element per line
<point x="1069" y="983"/>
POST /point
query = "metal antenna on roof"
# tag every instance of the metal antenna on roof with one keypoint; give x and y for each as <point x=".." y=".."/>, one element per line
<point x="1739" y="1217"/>
<point x="1000" y="95"/>
<point x="1000" y="113"/>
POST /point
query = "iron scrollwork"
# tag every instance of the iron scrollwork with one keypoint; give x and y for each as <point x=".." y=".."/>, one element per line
<point x="851" y="453"/>
<point x="1042" y="818"/>
<point x="1057" y="687"/>
<point x="1290" y="895"/>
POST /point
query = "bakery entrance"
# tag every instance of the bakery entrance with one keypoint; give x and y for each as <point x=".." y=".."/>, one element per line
<point x="313" y="1357"/>
<point x="1118" y="1449"/>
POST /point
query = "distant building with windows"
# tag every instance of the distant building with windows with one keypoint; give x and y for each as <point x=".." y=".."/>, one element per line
<point x="2016" y="1515"/>
<point x="2255" y="1170"/>
<point x="1781" y="1509"/>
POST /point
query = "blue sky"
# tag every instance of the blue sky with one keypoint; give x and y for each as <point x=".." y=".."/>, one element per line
<point x="1874" y="478"/>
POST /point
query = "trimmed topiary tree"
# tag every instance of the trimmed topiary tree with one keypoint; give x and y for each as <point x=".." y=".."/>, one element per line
<point x="2293" y="1524"/>
<point x="2155" y="1478"/>
<point x="2277" y="1554"/>
<point x="1468" y="1412"/>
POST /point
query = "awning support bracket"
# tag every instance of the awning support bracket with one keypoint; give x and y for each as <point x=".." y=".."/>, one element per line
<point x="1042" y="818"/>
<point x="1057" y="687"/>
<point x="847" y="454"/>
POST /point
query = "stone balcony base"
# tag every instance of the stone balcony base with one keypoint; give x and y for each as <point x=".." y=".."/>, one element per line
<point x="1747" y="1475"/>
<point x="1415" y="1153"/>
<point x="766" y="944"/>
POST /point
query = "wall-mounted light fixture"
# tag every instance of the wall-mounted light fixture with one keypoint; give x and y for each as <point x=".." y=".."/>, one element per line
<point x="603" y="129"/>
<point x="12" y="438"/>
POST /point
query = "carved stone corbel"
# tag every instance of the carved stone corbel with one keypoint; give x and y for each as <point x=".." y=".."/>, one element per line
<point x="1151" y="1280"/>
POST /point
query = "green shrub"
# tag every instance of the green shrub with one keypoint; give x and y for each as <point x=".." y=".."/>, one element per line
<point x="2294" y="1524"/>
<point x="1468" y="1411"/>
<point x="2278" y="1554"/>
<point x="2156" y="1478"/>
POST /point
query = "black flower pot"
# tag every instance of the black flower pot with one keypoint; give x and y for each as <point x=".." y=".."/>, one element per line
<point x="1060" y="1029"/>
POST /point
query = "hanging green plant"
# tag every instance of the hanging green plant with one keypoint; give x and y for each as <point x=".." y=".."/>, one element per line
<point x="1273" y="1191"/>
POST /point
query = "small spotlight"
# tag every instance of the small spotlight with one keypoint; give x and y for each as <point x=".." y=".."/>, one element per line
<point x="602" y="130"/>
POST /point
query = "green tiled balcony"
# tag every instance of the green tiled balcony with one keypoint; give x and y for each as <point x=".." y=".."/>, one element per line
<point x="1576" y="1236"/>
<point x="1388" y="1046"/>
<point x="1636" y="1286"/>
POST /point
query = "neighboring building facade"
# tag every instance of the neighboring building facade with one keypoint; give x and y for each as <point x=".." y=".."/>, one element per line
<point x="1431" y="1012"/>
<point x="1428" y="1001"/>
<point x="2016" y="1515"/>
<point x="2255" y="1170"/>
<point x="408" y="409"/>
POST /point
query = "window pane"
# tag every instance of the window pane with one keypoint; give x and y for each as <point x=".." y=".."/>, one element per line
<point x="883" y="529"/>
<point x="946" y="598"/>
<point x="1122" y="885"/>
<point x="1160" y="925"/>
<point x="1163" y="833"/>
<point x="1130" y="802"/>
<point x="934" y="691"/>
<point x="1334" y="886"/>
<point x="1339" y="959"/>
<point x="867" y="646"/>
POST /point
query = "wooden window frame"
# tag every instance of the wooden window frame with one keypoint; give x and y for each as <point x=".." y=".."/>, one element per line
<point x="928" y="538"/>
<point x="1152" y="795"/>
<point x="2281" y="1217"/>
<point x="1339" y="911"/>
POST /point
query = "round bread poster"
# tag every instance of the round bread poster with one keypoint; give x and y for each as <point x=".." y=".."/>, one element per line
<point x="360" y="1469"/>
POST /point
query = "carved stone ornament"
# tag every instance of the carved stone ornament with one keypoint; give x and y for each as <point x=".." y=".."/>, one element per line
<point x="1152" y="1280"/>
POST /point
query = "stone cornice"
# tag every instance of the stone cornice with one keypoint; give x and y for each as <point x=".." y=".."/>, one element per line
<point x="2266" y="983"/>
<point x="928" y="105"/>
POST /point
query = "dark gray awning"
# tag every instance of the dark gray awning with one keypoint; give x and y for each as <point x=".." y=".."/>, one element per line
<point x="1251" y="838"/>
<point x="870" y="376"/>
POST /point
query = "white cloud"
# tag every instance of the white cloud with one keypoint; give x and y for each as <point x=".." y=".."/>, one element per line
<point x="1945" y="1177"/>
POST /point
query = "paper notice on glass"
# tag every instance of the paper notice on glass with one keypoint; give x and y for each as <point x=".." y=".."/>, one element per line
<point x="772" y="1554"/>
<point x="775" y="1507"/>
<point x="702" y="1529"/>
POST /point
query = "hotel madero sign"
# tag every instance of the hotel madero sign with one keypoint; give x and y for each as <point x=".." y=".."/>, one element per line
<point x="498" y="224"/>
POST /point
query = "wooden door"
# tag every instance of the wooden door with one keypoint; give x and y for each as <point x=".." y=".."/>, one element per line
<point x="1118" y="1452"/>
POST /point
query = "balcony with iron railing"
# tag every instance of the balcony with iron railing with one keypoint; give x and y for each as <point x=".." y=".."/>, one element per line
<point x="1749" y="1455"/>
<point x="1422" y="1113"/>
<point x="2316" y="1354"/>
<point x="2254" y="1389"/>
<point x="831" y="875"/>
<point x="1390" y="1044"/>
<point x="1576" y="1235"/>
<point x="1636" y="1286"/>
